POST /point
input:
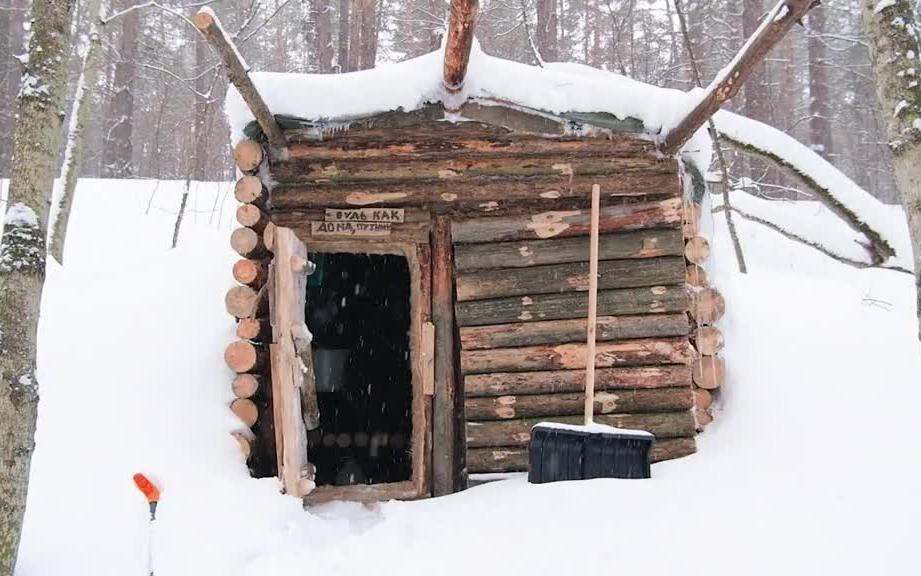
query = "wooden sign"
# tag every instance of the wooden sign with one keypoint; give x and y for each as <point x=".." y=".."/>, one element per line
<point x="365" y="229"/>
<point x="392" y="215"/>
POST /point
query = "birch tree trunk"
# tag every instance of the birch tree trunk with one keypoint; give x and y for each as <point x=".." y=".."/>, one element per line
<point x="63" y="198"/>
<point x="22" y="258"/>
<point x="894" y="50"/>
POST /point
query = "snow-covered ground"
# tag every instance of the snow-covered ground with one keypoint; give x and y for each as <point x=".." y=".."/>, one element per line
<point x="810" y="468"/>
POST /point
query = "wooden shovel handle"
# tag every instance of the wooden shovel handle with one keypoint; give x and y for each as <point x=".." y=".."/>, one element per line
<point x="592" y="308"/>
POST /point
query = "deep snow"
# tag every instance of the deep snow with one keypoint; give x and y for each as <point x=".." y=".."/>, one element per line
<point x="810" y="468"/>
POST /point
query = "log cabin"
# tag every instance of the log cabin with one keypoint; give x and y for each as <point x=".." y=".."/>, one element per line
<point x="413" y="266"/>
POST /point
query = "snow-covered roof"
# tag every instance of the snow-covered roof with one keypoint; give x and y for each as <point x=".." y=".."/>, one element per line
<point x="563" y="89"/>
<point x="557" y="88"/>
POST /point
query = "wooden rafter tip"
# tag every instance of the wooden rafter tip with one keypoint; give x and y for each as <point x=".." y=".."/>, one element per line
<point x="460" y="40"/>
<point x="203" y="19"/>
<point x="238" y="74"/>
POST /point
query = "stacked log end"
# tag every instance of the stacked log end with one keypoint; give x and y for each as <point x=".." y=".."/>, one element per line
<point x="248" y="304"/>
<point x="707" y="306"/>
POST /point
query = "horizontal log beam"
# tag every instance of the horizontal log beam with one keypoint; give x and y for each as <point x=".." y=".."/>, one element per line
<point x="458" y="168"/>
<point x="523" y="254"/>
<point x="572" y="277"/>
<point x="472" y="192"/>
<point x="518" y="432"/>
<point x="563" y="331"/>
<point x="566" y="404"/>
<point x="627" y="301"/>
<point x="643" y="352"/>
<point x="438" y="140"/>
<point x="515" y="459"/>
<point x="567" y="223"/>
<point x="555" y="381"/>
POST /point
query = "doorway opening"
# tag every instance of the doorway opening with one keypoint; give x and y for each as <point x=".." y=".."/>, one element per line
<point x="359" y="312"/>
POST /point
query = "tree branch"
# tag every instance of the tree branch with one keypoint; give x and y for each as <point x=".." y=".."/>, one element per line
<point x="730" y="79"/>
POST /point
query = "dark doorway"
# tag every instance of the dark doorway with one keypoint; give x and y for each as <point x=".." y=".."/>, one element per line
<point x="358" y="309"/>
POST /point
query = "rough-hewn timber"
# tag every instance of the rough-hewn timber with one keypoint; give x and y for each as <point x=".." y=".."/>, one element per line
<point x="563" y="331"/>
<point x="473" y="191"/>
<point x="573" y="277"/>
<point x="520" y="254"/>
<point x="554" y="381"/>
<point x="445" y="430"/>
<point x="607" y="402"/>
<point x="567" y="223"/>
<point x="650" y="300"/>
<point x="643" y="352"/>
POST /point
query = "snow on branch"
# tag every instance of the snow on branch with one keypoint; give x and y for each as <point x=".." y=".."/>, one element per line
<point x="729" y="80"/>
<point x="861" y="211"/>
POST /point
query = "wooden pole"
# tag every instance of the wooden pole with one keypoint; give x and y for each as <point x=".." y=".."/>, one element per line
<point x="727" y="83"/>
<point x="460" y="40"/>
<point x="592" y="309"/>
<point x="238" y="73"/>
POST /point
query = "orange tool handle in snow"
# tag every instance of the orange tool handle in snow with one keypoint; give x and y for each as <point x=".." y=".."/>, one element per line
<point x="147" y="488"/>
<point x="151" y="492"/>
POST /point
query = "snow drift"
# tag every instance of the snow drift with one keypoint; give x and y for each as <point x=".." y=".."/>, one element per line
<point x="809" y="467"/>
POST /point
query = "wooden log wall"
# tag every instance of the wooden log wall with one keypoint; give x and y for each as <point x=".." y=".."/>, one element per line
<point x="521" y="282"/>
<point x="248" y="304"/>
<point x="708" y="369"/>
<point x="517" y="206"/>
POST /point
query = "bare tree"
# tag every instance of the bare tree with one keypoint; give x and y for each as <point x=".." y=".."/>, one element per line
<point x="323" y="37"/>
<point x="22" y="258"/>
<point x="819" y="98"/>
<point x="119" y="140"/>
<point x="345" y="32"/>
<point x="547" y="24"/>
<point x="891" y="28"/>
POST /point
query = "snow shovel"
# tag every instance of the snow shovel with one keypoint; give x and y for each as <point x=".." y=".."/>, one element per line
<point x="567" y="452"/>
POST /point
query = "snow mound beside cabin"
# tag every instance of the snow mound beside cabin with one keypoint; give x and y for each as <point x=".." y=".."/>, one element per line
<point x="808" y="469"/>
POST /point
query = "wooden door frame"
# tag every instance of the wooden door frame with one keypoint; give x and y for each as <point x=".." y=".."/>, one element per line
<point x="418" y="257"/>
